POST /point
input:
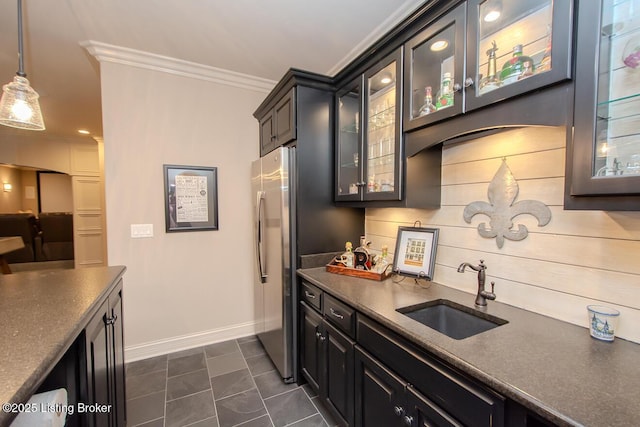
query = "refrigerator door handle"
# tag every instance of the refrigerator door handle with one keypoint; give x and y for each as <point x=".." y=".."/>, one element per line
<point x="260" y="237"/>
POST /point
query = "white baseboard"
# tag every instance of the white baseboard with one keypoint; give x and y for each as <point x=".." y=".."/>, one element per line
<point x="184" y="342"/>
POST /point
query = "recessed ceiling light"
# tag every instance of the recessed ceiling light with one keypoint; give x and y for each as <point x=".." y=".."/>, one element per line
<point x="84" y="132"/>
<point x="439" y="45"/>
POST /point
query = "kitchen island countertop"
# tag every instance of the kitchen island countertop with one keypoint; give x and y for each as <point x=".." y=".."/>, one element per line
<point x="41" y="314"/>
<point x="551" y="367"/>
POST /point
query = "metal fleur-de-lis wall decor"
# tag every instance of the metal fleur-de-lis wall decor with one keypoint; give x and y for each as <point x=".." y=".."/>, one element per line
<point x="501" y="209"/>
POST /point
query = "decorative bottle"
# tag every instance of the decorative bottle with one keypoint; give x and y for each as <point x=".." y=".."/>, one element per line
<point x="383" y="262"/>
<point x="445" y="97"/>
<point x="428" y="106"/>
<point x="545" y="62"/>
<point x="349" y="254"/>
<point x="513" y="68"/>
<point x="490" y="81"/>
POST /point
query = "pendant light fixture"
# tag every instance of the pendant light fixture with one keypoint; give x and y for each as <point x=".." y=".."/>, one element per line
<point x="19" y="107"/>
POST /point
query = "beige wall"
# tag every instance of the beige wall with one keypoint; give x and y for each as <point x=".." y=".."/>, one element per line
<point x="10" y="202"/>
<point x="186" y="288"/>
<point x="579" y="258"/>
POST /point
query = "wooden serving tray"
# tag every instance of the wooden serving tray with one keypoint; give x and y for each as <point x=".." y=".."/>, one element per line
<point x="363" y="274"/>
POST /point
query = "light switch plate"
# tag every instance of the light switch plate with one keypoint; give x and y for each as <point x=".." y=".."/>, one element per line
<point x="139" y="231"/>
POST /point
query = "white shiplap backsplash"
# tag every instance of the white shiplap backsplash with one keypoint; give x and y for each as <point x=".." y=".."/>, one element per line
<point x="579" y="258"/>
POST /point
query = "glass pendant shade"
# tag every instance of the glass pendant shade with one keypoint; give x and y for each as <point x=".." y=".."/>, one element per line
<point x="19" y="107"/>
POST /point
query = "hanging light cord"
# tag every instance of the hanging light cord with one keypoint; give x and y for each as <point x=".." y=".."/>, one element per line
<point x="20" y="72"/>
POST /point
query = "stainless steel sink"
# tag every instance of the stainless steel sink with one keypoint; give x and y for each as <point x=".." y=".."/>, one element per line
<point x="452" y="319"/>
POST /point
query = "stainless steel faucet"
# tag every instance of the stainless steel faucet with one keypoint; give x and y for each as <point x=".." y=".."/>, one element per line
<point x="482" y="296"/>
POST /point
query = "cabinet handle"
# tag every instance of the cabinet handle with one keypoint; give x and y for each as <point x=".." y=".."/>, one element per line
<point x="309" y="295"/>
<point x="399" y="410"/>
<point x="457" y="87"/>
<point x="336" y="314"/>
<point x="468" y="82"/>
<point x="273" y="138"/>
<point x="408" y="420"/>
<point x="111" y="320"/>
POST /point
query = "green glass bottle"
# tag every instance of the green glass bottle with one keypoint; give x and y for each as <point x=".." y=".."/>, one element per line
<point x="513" y="69"/>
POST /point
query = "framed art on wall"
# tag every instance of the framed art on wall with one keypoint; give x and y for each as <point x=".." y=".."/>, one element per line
<point x="415" y="253"/>
<point x="191" y="198"/>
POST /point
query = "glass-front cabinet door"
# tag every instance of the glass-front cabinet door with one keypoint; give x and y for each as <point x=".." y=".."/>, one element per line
<point x="434" y="71"/>
<point x="515" y="46"/>
<point x="606" y="146"/>
<point x="381" y="148"/>
<point x="349" y="182"/>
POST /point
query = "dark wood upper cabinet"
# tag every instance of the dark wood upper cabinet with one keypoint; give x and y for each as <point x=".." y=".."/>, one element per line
<point x="483" y="52"/>
<point x="603" y="159"/>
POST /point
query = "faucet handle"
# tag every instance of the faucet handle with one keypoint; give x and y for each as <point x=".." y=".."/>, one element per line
<point x="493" y="284"/>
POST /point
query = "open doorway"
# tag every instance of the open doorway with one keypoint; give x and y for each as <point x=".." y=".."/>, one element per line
<point x="38" y="207"/>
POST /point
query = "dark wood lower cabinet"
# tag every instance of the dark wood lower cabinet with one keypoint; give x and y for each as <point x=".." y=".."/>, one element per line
<point x="336" y="386"/>
<point x="105" y="385"/>
<point x="385" y="400"/>
<point x="310" y="345"/>
<point x="383" y="380"/>
<point x="379" y="393"/>
<point x="326" y="362"/>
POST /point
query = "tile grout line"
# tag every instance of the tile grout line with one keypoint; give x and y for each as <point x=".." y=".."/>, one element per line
<point x="254" y="381"/>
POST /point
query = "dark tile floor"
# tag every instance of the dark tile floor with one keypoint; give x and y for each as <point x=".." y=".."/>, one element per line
<point x="232" y="383"/>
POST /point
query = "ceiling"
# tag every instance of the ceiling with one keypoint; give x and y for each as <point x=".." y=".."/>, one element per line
<point x="261" y="38"/>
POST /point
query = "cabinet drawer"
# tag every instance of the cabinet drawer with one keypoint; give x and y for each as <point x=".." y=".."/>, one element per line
<point x="340" y="315"/>
<point x="312" y="295"/>
<point x="467" y="401"/>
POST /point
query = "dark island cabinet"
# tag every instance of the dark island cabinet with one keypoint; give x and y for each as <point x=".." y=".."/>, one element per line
<point x="105" y="385"/>
<point x="278" y="125"/>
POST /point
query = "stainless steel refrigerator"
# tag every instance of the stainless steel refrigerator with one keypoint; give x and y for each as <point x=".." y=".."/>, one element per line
<point x="275" y="255"/>
<point x="296" y="221"/>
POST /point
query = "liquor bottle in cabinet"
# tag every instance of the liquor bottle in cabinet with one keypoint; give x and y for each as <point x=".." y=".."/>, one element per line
<point x="516" y="68"/>
<point x="428" y="106"/>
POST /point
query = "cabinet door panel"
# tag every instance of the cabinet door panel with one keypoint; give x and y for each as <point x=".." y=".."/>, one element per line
<point x="535" y="30"/>
<point x="285" y="111"/>
<point x="606" y="152"/>
<point x="379" y="393"/>
<point x="98" y="367"/>
<point x="425" y="413"/>
<point x="338" y="379"/>
<point x="348" y="179"/>
<point x="382" y="148"/>
<point x="436" y="52"/>
<point x="267" y="137"/>
<point x="117" y="347"/>
<point x="310" y="345"/>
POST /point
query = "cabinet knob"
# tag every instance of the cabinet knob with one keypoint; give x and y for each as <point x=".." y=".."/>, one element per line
<point x="319" y="336"/>
<point x="399" y="410"/>
<point x="457" y="87"/>
<point x="408" y="420"/>
<point x="468" y="82"/>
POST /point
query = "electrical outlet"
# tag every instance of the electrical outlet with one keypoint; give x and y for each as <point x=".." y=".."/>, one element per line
<point x="139" y="231"/>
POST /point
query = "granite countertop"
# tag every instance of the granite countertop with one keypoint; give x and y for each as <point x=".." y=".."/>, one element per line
<point x="41" y="314"/>
<point x="551" y="367"/>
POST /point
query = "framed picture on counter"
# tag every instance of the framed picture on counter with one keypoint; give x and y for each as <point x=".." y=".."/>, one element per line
<point x="191" y="198"/>
<point x="415" y="253"/>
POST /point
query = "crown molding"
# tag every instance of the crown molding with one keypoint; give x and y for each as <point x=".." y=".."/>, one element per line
<point x="104" y="52"/>
<point x="403" y="11"/>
